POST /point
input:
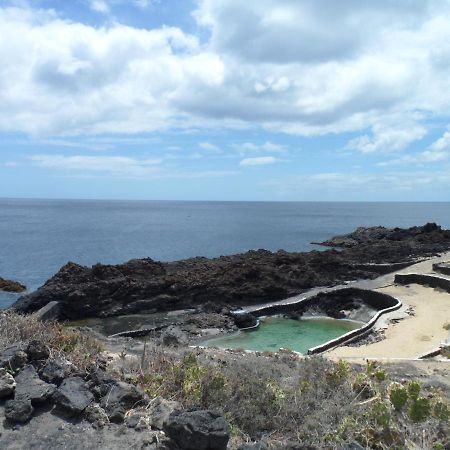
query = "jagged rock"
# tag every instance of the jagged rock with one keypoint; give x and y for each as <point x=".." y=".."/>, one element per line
<point x="173" y="336"/>
<point x="95" y="414"/>
<point x="37" y="351"/>
<point x="244" y="319"/>
<point x="7" y="384"/>
<point x="13" y="358"/>
<point x="138" y="420"/>
<point x="18" y="410"/>
<point x="73" y="395"/>
<point x="120" y="398"/>
<point x="11" y="286"/>
<point x="56" y="370"/>
<point x="254" y="277"/>
<point x="159" y="411"/>
<point x="101" y="383"/>
<point x="198" y="430"/>
<point x="30" y="386"/>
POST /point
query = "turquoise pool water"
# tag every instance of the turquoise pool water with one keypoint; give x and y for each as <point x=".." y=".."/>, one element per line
<point x="276" y="332"/>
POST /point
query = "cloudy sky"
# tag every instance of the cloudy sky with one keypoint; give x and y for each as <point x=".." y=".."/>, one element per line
<point x="225" y="99"/>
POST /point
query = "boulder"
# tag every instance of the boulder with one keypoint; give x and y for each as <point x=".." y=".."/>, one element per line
<point x="13" y="358"/>
<point x="120" y="398"/>
<point x="50" y="311"/>
<point x="159" y="411"/>
<point x="11" y="286"/>
<point x="56" y="370"/>
<point x="198" y="430"/>
<point x="18" y="410"/>
<point x="7" y="384"/>
<point x="173" y="337"/>
<point x="37" y="351"/>
<point x="73" y="395"/>
<point x="95" y="414"/>
<point x="137" y="420"/>
<point x="100" y="383"/>
<point x="31" y="387"/>
<point x="244" y="319"/>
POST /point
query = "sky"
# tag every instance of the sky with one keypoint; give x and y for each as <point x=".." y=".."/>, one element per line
<point x="277" y="100"/>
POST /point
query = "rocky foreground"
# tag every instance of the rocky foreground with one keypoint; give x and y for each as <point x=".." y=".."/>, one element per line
<point x="62" y="388"/>
<point x="148" y="286"/>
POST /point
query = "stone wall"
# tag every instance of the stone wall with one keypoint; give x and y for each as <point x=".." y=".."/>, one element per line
<point x="427" y="280"/>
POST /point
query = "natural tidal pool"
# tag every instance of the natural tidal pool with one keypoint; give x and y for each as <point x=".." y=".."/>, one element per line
<point x="276" y="332"/>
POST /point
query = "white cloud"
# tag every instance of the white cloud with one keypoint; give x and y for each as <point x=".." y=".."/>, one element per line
<point x="388" y="138"/>
<point x="357" y="182"/>
<point x="118" y="165"/>
<point x="436" y="152"/>
<point x="264" y="147"/>
<point x="100" y="6"/>
<point x="307" y="68"/>
<point x="259" y="161"/>
<point x="209" y="147"/>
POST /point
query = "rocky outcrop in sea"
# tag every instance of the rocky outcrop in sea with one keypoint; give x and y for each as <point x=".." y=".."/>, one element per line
<point x="148" y="286"/>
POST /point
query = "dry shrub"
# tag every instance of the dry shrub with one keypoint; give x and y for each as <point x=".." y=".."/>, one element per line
<point x="73" y="345"/>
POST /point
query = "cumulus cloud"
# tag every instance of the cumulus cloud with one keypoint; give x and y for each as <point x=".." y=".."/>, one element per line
<point x="59" y="77"/>
<point x="307" y="68"/>
<point x="258" y="161"/>
<point x="438" y="151"/>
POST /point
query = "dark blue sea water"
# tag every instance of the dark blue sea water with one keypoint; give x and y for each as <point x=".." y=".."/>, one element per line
<point x="38" y="236"/>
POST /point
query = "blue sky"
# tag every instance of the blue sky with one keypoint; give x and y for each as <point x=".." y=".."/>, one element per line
<point x="225" y="100"/>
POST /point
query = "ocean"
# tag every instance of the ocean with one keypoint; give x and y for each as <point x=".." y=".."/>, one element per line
<point x="37" y="237"/>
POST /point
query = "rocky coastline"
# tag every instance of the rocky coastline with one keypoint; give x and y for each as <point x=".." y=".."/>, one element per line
<point x="211" y="285"/>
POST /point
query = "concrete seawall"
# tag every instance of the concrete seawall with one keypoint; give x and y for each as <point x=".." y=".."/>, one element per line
<point x="425" y="280"/>
<point x="382" y="302"/>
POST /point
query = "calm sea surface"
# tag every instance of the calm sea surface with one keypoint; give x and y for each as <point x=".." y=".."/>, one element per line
<point x="38" y="236"/>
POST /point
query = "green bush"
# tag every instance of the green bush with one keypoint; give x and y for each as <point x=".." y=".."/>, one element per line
<point x="419" y="409"/>
<point x="398" y="395"/>
<point x="414" y="389"/>
<point x="381" y="413"/>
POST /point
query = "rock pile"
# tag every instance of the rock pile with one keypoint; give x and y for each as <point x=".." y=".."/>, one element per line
<point x="31" y="381"/>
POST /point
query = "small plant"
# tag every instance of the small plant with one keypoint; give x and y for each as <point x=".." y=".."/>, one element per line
<point x="414" y="389"/>
<point x="441" y="410"/>
<point x="398" y="395"/>
<point x="380" y="375"/>
<point x="362" y="386"/>
<point x="339" y="373"/>
<point x="371" y="366"/>
<point x="381" y="413"/>
<point x="420" y="409"/>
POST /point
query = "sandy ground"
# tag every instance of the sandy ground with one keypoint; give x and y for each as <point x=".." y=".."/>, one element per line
<point x="413" y="335"/>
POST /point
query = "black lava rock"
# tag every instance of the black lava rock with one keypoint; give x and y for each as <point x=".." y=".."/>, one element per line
<point x="198" y="430"/>
<point x="13" y="358"/>
<point x="73" y="395"/>
<point x="18" y="410"/>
